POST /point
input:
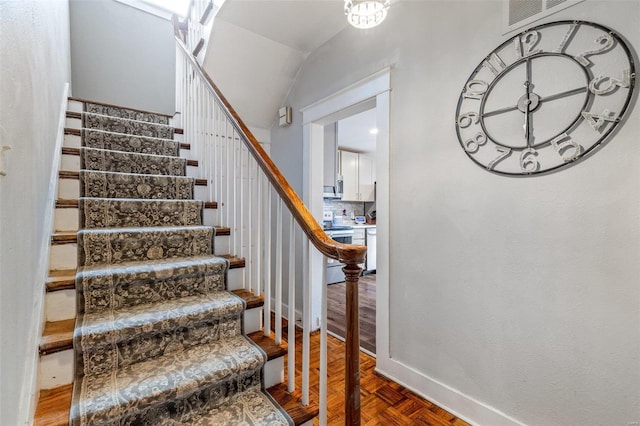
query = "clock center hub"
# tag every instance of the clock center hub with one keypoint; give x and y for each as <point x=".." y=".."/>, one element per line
<point x="528" y="102"/>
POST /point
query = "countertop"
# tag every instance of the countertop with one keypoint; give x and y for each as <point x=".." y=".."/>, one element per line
<point x="363" y="226"/>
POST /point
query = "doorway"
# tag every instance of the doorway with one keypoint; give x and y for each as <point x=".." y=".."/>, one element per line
<point x="370" y="93"/>
<point x="349" y="216"/>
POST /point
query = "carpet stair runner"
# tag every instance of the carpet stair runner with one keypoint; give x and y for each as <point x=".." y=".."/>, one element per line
<point x="158" y="338"/>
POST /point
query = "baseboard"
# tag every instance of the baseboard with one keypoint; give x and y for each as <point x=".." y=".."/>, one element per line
<point x="467" y="408"/>
<point x="285" y="311"/>
<point x="30" y="392"/>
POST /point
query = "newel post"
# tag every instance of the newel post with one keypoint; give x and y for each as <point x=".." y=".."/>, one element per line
<point x="352" y="368"/>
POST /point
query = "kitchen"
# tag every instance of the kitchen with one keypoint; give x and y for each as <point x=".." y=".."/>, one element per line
<point x="349" y="214"/>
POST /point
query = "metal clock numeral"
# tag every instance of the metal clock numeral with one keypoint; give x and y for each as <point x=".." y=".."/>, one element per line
<point x="473" y="145"/>
<point x="504" y="153"/>
<point x="605" y="40"/>
<point x="565" y="39"/>
<point x="495" y="64"/>
<point x="528" y="161"/>
<point x="467" y="119"/>
<point x="563" y="144"/>
<point x="612" y="83"/>
<point x="596" y="121"/>
<point x="475" y="89"/>
<point x="528" y="40"/>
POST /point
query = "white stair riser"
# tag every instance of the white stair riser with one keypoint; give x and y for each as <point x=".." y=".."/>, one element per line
<point x="67" y="219"/>
<point x="75" y="106"/>
<point x="72" y="141"/>
<point x="186" y="153"/>
<point x="200" y="193"/>
<point x="252" y="320"/>
<point x="68" y="189"/>
<point x="63" y="256"/>
<point x="73" y="123"/>
<point x="235" y="279"/>
<point x="221" y="244"/>
<point x="70" y="162"/>
<point x="210" y="217"/>
<point x="60" y="305"/>
<point x="56" y="369"/>
<point x="274" y="372"/>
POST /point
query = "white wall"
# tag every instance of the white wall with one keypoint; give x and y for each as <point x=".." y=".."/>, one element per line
<point x="520" y="297"/>
<point x="34" y="67"/>
<point x="122" y="55"/>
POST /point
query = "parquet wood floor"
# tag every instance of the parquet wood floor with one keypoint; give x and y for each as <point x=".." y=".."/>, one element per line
<point x="336" y="311"/>
<point x="383" y="402"/>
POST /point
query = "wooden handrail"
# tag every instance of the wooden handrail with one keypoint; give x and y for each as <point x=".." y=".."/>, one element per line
<point x="349" y="254"/>
<point x="345" y="253"/>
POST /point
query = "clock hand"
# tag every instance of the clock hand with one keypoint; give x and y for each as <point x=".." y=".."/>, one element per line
<point x="527" y="109"/>
<point x="527" y="103"/>
<point x="563" y="94"/>
<point x="545" y="99"/>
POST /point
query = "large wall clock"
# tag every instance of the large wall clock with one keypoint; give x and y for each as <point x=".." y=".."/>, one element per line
<point x="546" y="98"/>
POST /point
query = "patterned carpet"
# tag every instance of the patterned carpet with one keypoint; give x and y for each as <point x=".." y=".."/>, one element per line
<point x="158" y="339"/>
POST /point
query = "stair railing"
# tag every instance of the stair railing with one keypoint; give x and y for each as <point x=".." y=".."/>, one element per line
<point x="250" y="190"/>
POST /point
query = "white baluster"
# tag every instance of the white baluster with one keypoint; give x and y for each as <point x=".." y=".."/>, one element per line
<point x="323" y="346"/>
<point x="279" y="262"/>
<point x="291" y="330"/>
<point x="258" y="224"/>
<point x="306" y="330"/>
<point x="267" y="258"/>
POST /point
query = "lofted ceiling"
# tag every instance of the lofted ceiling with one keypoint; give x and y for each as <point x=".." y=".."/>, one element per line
<point x="257" y="47"/>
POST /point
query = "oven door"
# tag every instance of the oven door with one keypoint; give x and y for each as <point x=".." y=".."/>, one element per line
<point x="334" y="267"/>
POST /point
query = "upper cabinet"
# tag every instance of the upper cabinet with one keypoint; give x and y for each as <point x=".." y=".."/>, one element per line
<point x="359" y="176"/>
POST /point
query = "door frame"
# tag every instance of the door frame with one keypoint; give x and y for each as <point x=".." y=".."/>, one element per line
<point x="372" y="91"/>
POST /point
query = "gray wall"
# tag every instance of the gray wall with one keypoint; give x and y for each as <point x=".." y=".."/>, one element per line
<point x="121" y="55"/>
<point x="34" y="67"/>
<point x="521" y="295"/>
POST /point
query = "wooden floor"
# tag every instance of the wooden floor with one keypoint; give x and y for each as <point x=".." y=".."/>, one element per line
<point x="336" y="311"/>
<point x="383" y="402"/>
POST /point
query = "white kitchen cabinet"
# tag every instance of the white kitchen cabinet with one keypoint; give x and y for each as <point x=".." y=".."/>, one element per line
<point x="358" y="175"/>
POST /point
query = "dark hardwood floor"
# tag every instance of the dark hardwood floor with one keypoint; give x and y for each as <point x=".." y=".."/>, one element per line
<point x="383" y="402"/>
<point x="336" y="311"/>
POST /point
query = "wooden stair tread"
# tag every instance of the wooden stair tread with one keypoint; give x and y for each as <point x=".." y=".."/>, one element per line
<point x="57" y="336"/>
<point x="54" y="406"/>
<point x="73" y="174"/>
<point x="293" y="405"/>
<point x="252" y="300"/>
<point x="72" y="237"/>
<point x="73" y="203"/>
<point x="78" y="132"/>
<point x="268" y="344"/>
<point x="66" y="150"/>
<point x="87" y="101"/>
<point x="64" y="238"/>
<point x="234" y="262"/>
<point x="61" y="280"/>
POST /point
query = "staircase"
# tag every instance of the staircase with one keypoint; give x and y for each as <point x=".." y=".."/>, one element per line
<point x="147" y="318"/>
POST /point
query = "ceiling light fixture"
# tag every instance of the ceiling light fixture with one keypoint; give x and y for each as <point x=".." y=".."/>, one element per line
<point x="364" y="14"/>
<point x="374" y="131"/>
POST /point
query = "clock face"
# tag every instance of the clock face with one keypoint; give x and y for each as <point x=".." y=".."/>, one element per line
<point x="545" y="98"/>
